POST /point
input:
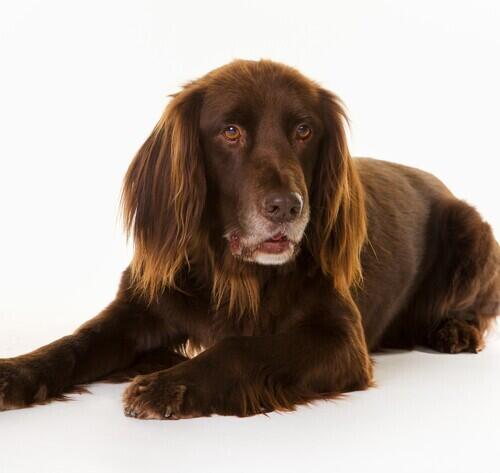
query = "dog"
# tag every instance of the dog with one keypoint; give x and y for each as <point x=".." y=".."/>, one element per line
<point x="268" y="263"/>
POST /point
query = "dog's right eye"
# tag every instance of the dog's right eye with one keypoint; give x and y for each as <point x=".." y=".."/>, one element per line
<point x="231" y="133"/>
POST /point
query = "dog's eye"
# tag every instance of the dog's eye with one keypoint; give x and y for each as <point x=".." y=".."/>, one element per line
<point x="303" y="132"/>
<point x="231" y="133"/>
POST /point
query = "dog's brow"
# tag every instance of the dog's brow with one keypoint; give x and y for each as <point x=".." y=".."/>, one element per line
<point x="306" y="117"/>
<point x="239" y="114"/>
<point x="299" y="112"/>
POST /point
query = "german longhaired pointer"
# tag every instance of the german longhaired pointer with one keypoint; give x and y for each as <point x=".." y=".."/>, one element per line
<point x="268" y="263"/>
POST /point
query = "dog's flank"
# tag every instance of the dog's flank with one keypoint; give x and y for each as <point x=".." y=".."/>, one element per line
<point x="258" y="238"/>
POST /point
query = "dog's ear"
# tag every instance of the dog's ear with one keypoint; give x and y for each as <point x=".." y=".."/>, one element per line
<point x="338" y="219"/>
<point x="164" y="195"/>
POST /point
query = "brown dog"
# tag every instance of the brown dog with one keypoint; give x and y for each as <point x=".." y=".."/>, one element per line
<point x="258" y="238"/>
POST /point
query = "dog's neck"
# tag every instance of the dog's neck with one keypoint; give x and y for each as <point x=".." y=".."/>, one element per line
<point x="237" y="284"/>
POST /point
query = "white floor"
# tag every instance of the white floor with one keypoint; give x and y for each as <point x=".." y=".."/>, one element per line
<point x="429" y="413"/>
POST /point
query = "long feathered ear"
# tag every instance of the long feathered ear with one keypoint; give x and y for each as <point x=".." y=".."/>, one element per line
<point x="164" y="195"/>
<point x="337" y="203"/>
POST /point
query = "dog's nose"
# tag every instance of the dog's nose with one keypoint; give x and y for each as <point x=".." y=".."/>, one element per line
<point x="281" y="207"/>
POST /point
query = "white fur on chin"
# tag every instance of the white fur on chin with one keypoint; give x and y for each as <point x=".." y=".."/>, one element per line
<point x="272" y="258"/>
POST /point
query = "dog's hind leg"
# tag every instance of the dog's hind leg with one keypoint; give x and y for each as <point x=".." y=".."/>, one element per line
<point x="455" y="335"/>
<point x="465" y="287"/>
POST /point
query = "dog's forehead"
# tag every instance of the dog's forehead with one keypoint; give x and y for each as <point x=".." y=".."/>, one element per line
<point x="257" y="90"/>
<point x="246" y="105"/>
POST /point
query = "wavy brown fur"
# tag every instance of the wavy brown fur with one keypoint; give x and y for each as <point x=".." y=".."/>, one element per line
<point x="164" y="194"/>
<point x="283" y="257"/>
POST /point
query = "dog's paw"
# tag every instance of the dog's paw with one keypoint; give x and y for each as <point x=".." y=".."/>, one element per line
<point x="456" y="336"/>
<point x="155" y="396"/>
<point x="18" y="387"/>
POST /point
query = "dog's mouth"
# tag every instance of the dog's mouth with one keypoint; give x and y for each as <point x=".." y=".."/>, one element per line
<point x="278" y="244"/>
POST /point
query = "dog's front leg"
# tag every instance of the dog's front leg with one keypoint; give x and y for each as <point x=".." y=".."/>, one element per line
<point x="249" y="375"/>
<point x="109" y="342"/>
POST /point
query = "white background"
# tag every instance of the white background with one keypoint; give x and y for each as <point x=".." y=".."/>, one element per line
<point x="81" y="86"/>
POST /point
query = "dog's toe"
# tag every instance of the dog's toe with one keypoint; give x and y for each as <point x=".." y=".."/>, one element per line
<point x="150" y="397"/>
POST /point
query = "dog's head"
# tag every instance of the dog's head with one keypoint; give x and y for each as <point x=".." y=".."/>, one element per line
<point x="250" y="158"/>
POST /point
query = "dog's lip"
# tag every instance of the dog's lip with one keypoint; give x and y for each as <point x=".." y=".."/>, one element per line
<point x="274" y="246"/>
<point x="280" y="236"/>
<point x="277" y="243"/>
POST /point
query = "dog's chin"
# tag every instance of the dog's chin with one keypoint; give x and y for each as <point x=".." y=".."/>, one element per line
<point x="268" y="259"/>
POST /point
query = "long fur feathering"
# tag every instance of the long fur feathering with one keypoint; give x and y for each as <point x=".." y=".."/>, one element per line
<point x="163" y="201"/>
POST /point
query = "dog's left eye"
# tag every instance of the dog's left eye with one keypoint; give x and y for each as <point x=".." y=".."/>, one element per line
<point x="303" y="132"/>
